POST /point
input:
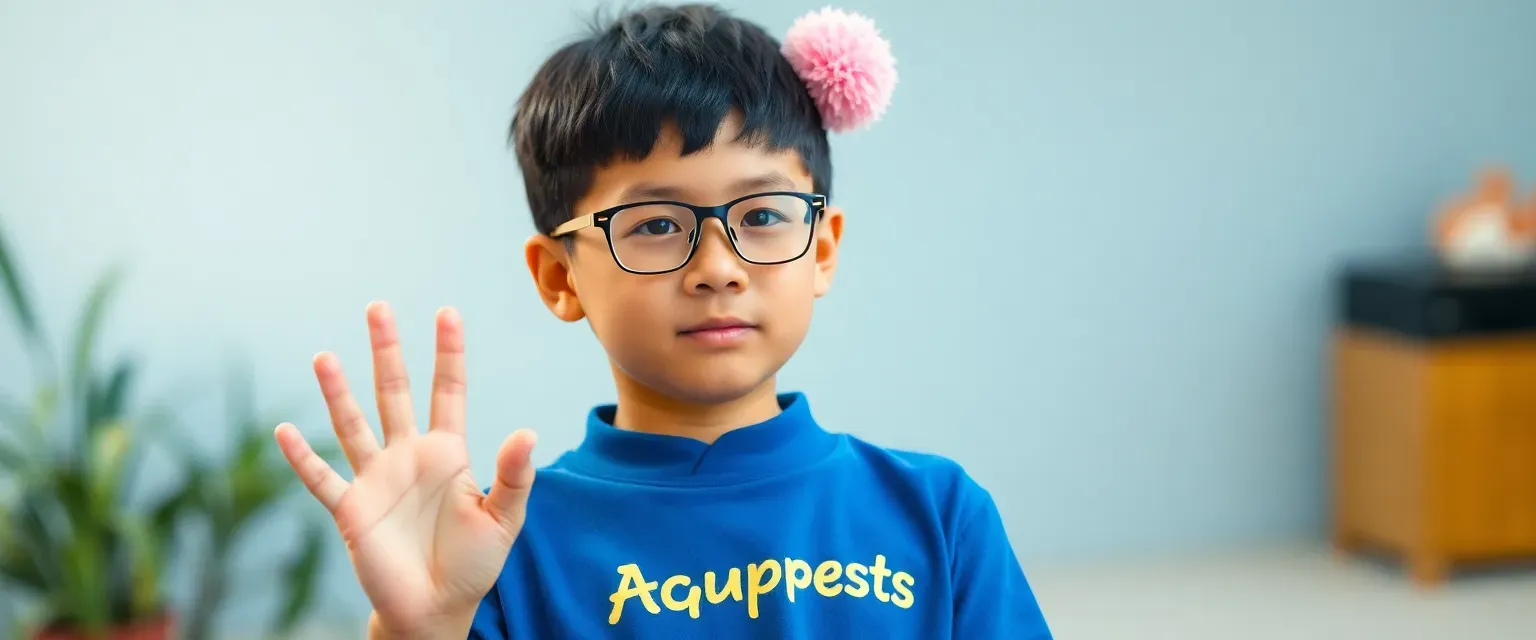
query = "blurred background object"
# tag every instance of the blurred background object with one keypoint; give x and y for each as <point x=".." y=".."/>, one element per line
<point x="1135" y="356"/>
<point x="71" y="538"/>
<point x="1487" y="229"/>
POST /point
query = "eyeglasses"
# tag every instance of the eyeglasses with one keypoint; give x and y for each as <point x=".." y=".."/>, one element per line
<point x="660" y="236"/>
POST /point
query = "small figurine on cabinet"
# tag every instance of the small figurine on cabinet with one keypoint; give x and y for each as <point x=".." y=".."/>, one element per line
<point x="1487" y="230"/>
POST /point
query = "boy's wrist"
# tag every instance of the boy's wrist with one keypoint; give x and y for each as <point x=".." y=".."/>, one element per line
<point x="448" y="628"/>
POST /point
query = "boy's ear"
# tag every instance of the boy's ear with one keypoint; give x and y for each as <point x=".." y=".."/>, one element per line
<point x="829" y="233"/>
<point x="550" y="265"/>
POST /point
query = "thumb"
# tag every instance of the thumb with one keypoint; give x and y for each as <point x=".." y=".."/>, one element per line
<point x="508" y="499"/>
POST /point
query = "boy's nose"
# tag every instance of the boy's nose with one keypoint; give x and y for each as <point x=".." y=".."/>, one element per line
<point x="715" y="266"/>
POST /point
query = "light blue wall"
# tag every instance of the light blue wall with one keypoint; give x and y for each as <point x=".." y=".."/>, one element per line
<point x="1087" y="254"/>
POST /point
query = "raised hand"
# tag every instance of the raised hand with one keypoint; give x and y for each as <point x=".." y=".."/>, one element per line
<point x="426" y="543"/>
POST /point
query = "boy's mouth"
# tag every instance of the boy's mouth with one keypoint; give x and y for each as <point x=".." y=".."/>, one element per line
<point x="722" y="332"/>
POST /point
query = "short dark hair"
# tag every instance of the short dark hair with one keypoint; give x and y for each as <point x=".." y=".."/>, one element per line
<point x="607" y="97"/>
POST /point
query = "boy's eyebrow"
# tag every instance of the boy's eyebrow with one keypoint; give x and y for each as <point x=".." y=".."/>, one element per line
<point x="771" y="181"/>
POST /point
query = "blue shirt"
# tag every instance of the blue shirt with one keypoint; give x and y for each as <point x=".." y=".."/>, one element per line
<point x="777" y="530"/>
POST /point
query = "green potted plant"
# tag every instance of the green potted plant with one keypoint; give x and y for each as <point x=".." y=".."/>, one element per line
<point x="68" y="456"/>
<point x="68" y="459"/>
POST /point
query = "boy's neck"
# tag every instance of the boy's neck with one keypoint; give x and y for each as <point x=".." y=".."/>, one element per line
<point x="646" y="411"/>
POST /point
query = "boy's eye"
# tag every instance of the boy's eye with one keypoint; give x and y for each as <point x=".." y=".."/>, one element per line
<point x="657" y="227"/>
<point x="762" y="218"/>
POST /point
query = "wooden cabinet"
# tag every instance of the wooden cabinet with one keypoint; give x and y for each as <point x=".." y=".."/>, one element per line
<point x="1434" y="447"/>
<point x="1434" y="415"/>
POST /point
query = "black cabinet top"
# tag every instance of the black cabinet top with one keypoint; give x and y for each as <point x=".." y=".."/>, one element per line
<point x="1417" y="297"/>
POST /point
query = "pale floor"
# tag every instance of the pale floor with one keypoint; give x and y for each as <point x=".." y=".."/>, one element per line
<point x="1288" y="594"/>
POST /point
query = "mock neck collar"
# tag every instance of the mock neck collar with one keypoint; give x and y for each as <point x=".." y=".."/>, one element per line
<point x="787" y="441"/>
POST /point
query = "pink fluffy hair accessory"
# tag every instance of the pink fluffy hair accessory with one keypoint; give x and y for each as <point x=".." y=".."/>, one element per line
<point x="845" y="63"/>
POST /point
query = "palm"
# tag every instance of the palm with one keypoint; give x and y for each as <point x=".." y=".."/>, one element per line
<point x="426" y="543"/>
<point x="414" y="526"/>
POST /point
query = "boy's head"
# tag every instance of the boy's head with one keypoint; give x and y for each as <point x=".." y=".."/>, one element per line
<point x="627" y="140"/>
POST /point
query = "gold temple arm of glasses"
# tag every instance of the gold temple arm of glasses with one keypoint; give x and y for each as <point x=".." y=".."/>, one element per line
<point x="573" y="225"/>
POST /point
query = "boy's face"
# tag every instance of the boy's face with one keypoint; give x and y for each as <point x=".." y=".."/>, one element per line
<point x="649" y="324"/>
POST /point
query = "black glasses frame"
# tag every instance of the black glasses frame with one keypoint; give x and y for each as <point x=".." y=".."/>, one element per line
<point x="602" y="219"/>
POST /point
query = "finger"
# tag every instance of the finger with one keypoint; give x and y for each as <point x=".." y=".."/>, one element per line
<point x="508" y="499"/>
<point x="392" y="389"/>
<point x="448" y="378"/>
<point x="352" y="430"/>
<point x="318" y="477"/>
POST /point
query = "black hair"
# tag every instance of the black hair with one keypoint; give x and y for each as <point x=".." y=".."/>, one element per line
<point x="607" y="97"/>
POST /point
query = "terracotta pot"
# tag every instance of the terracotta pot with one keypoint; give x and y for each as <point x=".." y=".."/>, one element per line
<point x="162" y="628"/>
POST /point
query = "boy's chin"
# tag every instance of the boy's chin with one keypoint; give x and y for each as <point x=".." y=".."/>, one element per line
<point x="713" y="385"/>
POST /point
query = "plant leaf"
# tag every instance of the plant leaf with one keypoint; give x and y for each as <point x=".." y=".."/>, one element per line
<point x="146" y="561"/>
<point x="299" y="579"/>
<point x="16" y="563"/>
<point x="164" y="515"/>
<point x="19" y="301"/>
<point x="45" y="407"/>
<point x="117" y="567"/>
<point x="15" y="420"/>
<point x="85" y="574"/>
<point x="104" y="474"/>
<point x="73" y="495"/>
<point x="20" y="569"/>
<point x="105" y="401"/>
<point x="86" y="335"/>
<point x="252" y="490"/>
<point x="249" y="449"/>
<point x="39" y="545"/>
<point x="214" y="502"/>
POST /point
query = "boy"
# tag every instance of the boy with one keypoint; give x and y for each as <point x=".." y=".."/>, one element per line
<point x="678" y="173"/>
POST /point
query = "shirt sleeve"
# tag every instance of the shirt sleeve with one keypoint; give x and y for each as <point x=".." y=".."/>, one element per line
<point x="993" y="599"/>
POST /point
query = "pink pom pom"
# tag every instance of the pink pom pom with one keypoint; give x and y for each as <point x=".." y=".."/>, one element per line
<point x="846" y="65"/>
